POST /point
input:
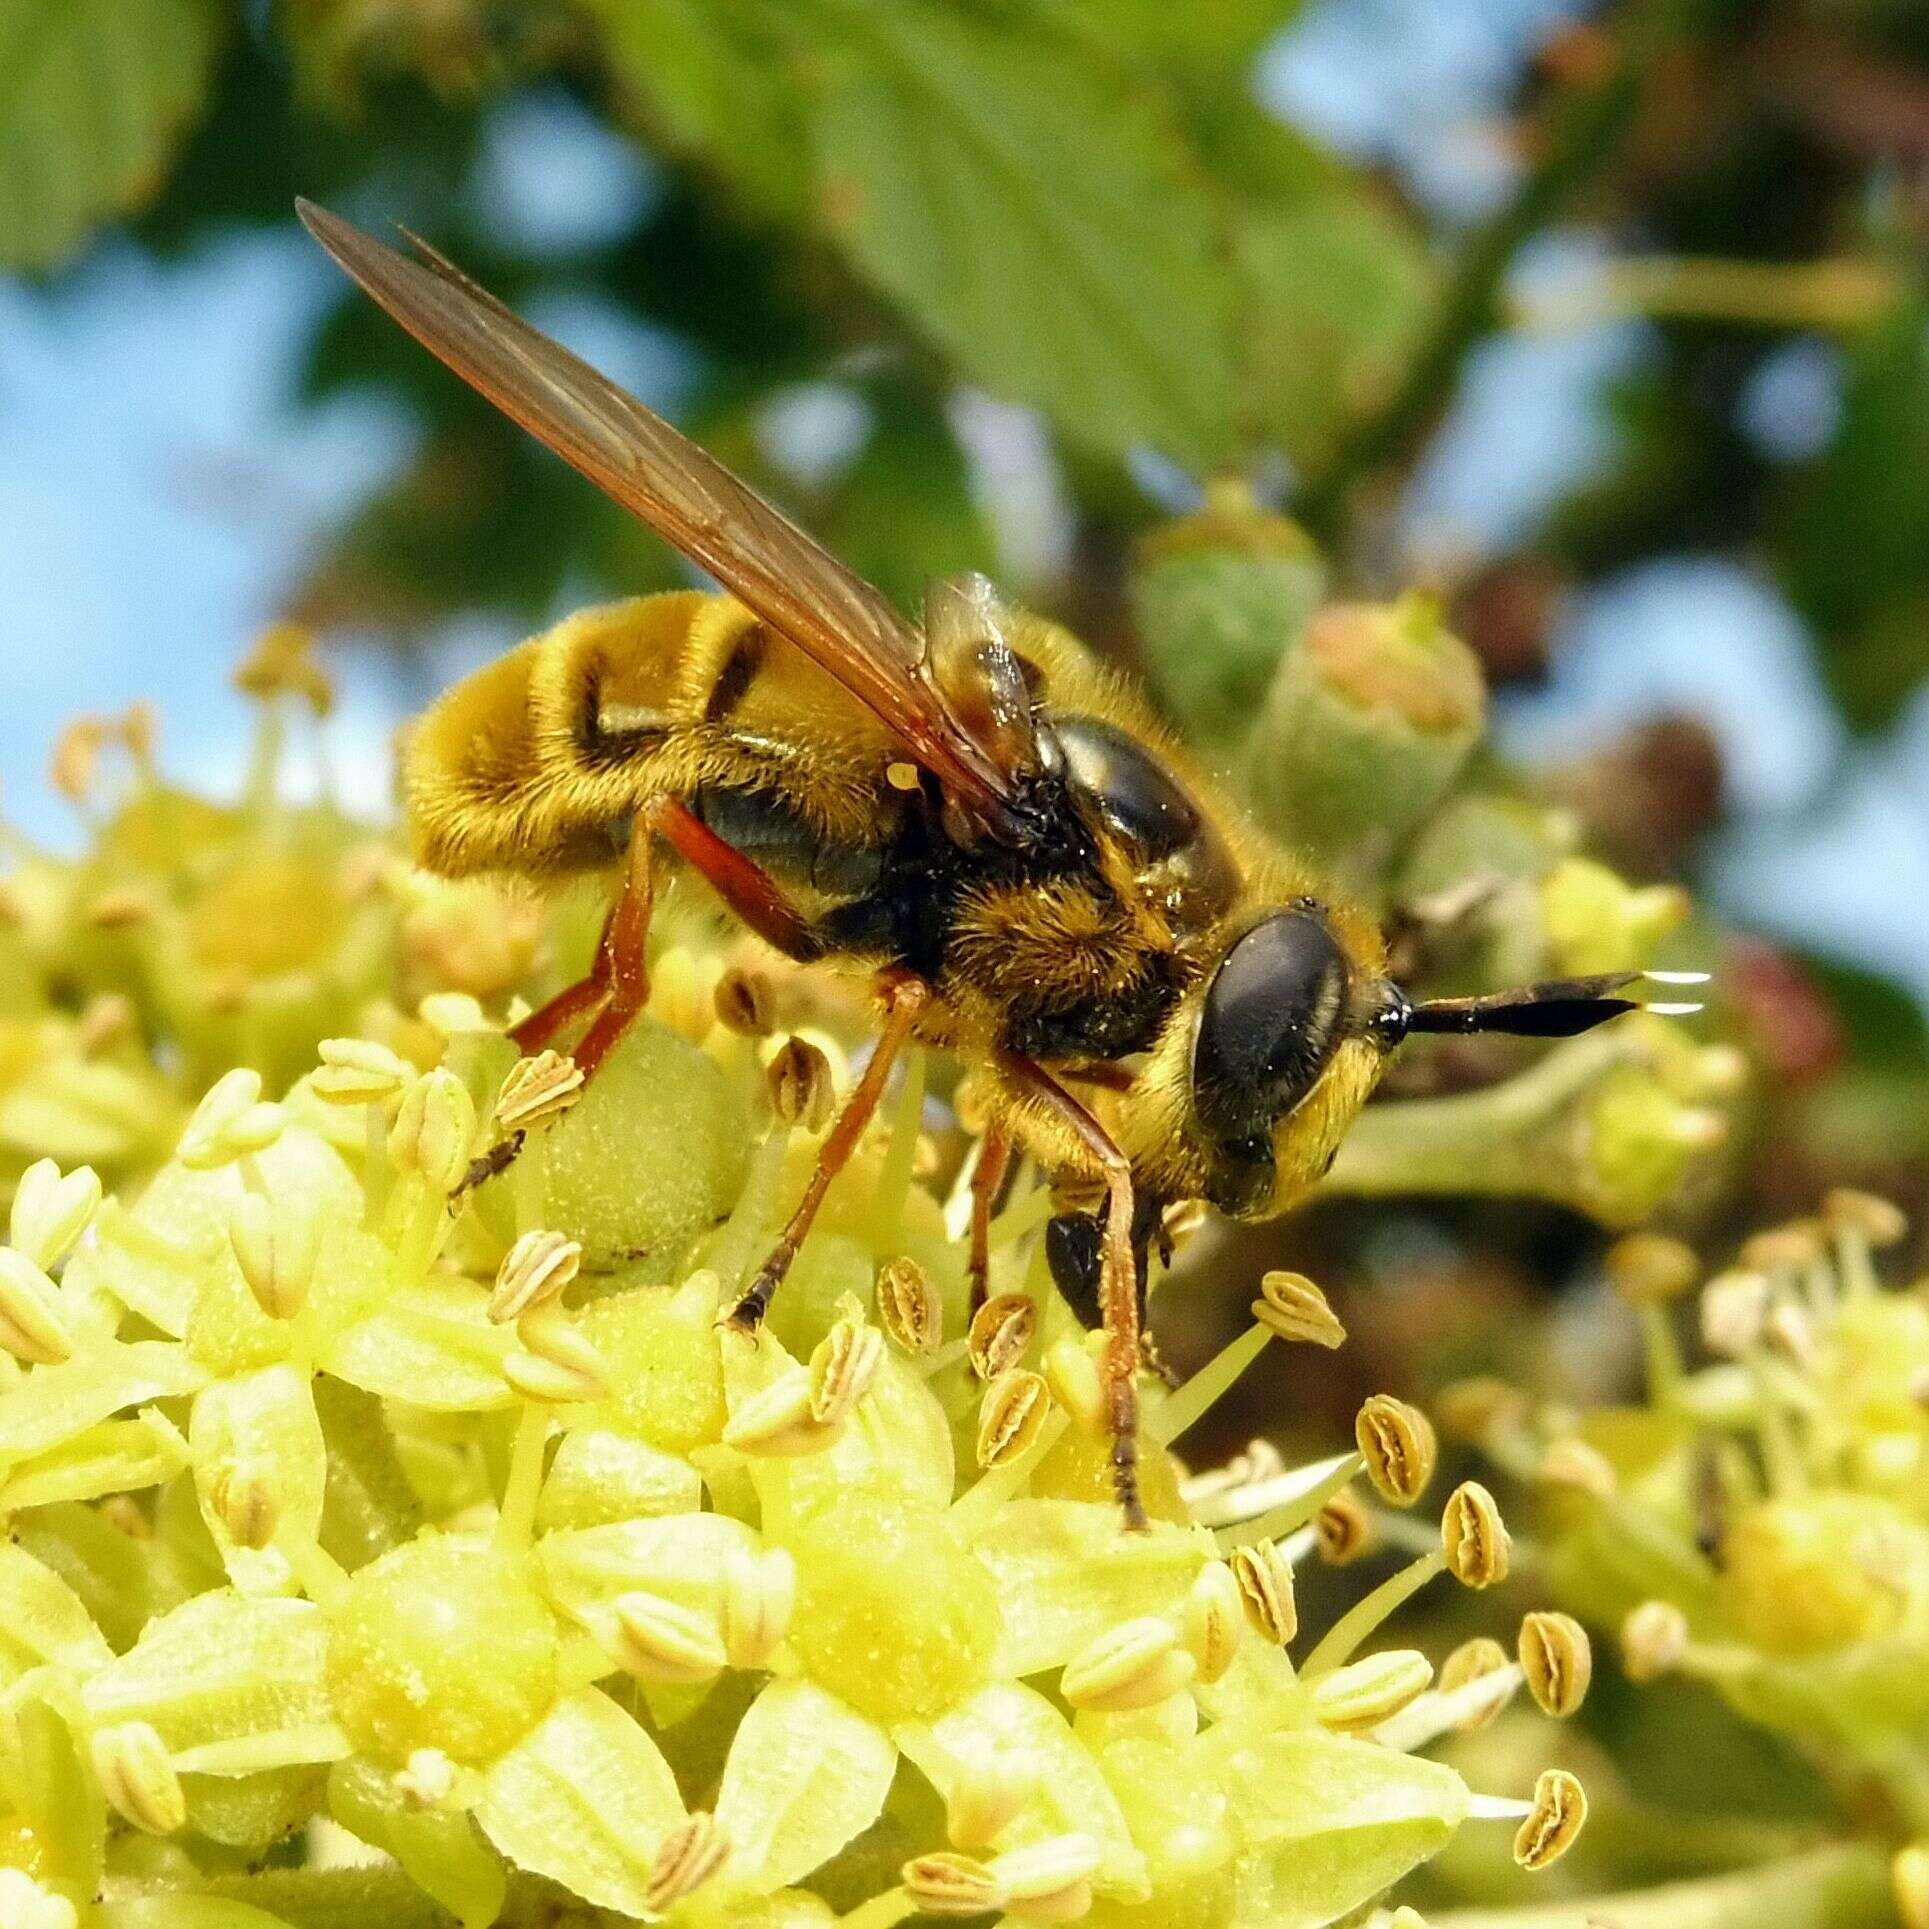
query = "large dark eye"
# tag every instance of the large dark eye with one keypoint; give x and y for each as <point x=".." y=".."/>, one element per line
<point x="1271" y="1021"/>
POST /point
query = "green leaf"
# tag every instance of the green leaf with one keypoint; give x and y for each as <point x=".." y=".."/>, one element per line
<point x="93" y="96"/>
<point x="1035" y="214"/>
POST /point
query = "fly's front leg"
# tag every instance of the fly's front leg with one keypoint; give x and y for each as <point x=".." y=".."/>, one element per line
<point x="1118" y="1272"/>
<point x="905" y="998"/>
<point x="994" y="1160"/>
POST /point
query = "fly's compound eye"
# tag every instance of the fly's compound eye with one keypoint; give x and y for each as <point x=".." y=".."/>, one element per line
<point x="1273" y="1015"/>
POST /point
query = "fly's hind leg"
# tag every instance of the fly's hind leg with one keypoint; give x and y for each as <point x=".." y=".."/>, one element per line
<point x="994" y="1160"/>
<point x="1118" y="1271"/>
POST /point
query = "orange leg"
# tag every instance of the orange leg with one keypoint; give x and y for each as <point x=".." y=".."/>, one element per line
<point x="904" y="998"/>
<point x="994" y="1159"/>
<point x="1118" y="1273"/>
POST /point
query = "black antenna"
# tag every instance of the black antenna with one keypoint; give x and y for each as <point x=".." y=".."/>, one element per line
<point x="1556" y="1008"/>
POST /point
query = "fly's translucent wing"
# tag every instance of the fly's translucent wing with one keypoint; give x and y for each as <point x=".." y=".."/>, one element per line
<point x="751" y="548"/>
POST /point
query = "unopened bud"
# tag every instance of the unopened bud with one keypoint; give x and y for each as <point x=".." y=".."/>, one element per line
<point x="538" y="1088"/>
<point x="1560" y="1811"/>
<point x="1473" y="1661"/>
<point x="1001" y="1329"/>
<point x="1342" y="1529"/>
<point x="1363" y="1694"/>
<point x="1134" y="1665"/>
<point x="1397" y="1442"/>
<point x="1292" y="1307"/>
<point x="1648" y="1268"/>
<point x="778" y="1422"/>
<point x="230" y="1122"/>
<point x="759" y="1597"/>
<point x="662" y="1641"/>
<point x="1010" y="1414"/>
<point x="908" y="1307"/>
<point x="1654" y="1637"/>
<point x="1572" y="1463"/>
<point x="276" y="1251"/>
<point x="50" y="1212"/>
<point x="693" y="1853"/>
<point x="357" y="1071"/>
<point x="801" y="1087"/>
<point x="842" y="1369"/>
<point x="31" y="1328"/>
<point x="535" y="1271"/>
<point x="135" y="1774"/>
<point x="433" y="1128"/>
<point x="1265" y="1579"/>
<point x="951" y="1885"/>
<point x="1734" y="1309"/>
<point x="1475" y="1539"/>
<point x="1556" y="1662"/>
<point x="744" y="1003"/>
<point x="1211" y="1622"/>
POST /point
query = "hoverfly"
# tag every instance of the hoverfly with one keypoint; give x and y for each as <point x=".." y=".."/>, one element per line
<point x="969" y="808"/>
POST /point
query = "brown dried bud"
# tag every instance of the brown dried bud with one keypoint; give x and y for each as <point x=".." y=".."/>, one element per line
<point x="1001" y="1330"/>
<point x="908" y="1307"/>
<point x="801" y="1087"/>
<point x="745" y="1003"/>
<point x="1556" y="1661"/>
<point x="1654" y="1637"/>
<point x="1014" y="1407"/>
<point x="1343" y="1528"/>
<point x="1292" y="1307"/>
<point x="689" y="1856"/>
<point x="1473" y="1661"/>
<point x="1560" y="1811"/>
<point x="1476" y="1541"/>
<point x="1648" y="1268"/>
<point x="542" y="1087"/>
<point x="1397" y="1442"/>
<point x="1265" y="1578"/>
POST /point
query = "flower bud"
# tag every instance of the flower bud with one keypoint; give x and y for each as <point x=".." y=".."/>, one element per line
<point x="535" y="1089"/>
<point x="1265" y="1579"/>
<point x="1476" y="1541"/>
<point x="759" y="1597"/>
<point x="951" y="1885"/>
<point x="908" y="1307"/>
<point x="1560" y="1810"/>
<point x="276" y="1251"/>
<point x="51" y="1212"/>
<point x="230" y="1122"/>
<point x="1013" y="1409"/>
<point x="433" y="1128"/>
<point x="1134" y="1665"/>
<point x="1363" y="1694"/>
<point x="1210" y="1622"/>
<point x="31" y="1328"/>
<point x="1001" y="1329"/>
<point x="744" y="1003"/>
<point x="842" y="1369"/>
<point x="693" y="1853"/>
<point x="1293" y="1308"/>
<point x="1556" y="1661"/>
<point x="535" y="1271"/>
<point x="1654" y="1637"/>
<point x="662" y="1641"/>
<point x="1648" y="1269"/>
<point x="1473" y="1661"/>
<point x="1343" y="1530"/>
<point x="357" y="1071"/>
<point x="135" y="1774"/>
<point x="801" y="1087"/>
<point x="1397" y="1442"/>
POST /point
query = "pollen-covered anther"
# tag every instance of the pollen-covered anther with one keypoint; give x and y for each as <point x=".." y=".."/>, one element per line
<point x="1213" y="1618"/>
<point x="245" y="1502"/>
<point x="1358" y="1697"/>
<point x="535" y="1271"/>
<point x="230" y="1122"/>
<point x="283" y="663"/>
<point x="1571" y="1463"/>
<point x="556" y="1363"/>
<point x="843" y="1368"/>
<point x="908" y="1307"/>
<point x="778" y="1420"/>
<point x="801" y="1086"/>
<point x="541" y="1087"/>
<point x="276" y="1250"/>
<point x="1867" y="1216"/>
<point x="1556" y="1661"/>
<point x="1784" y="1249"/>
<point x="434" y="1125"/>
<point x="427" y="1779"/>
<point x="1654" y="1638"/>
<point x="31" y="1328"/>
<point x="1648" y="1268"/>
<point x="1398" y="1445"/>
<point x="357" y="1071"/>
<point x="745" y="1003"/>
<point x="135" y="1774"/>
<point x="1014" y="1407"/>
<point x="1264" y="1577"/>
<point x="1049" y="1880"/>
<point x="1291" y="1307"/>
<point x="951" y="1885"/>
<point x="1474" y="1660"/>
<point x="663" y="1641"/>
<point x="693" y="1853"/>
<point x="1734" y="1311"/>
<point x="759" y="1598"/>
<point x="1342" y="1529"/>
<point x="1474" y="1537"/>
<point x="1557" y="1817"/>
<point x="1001" y="1330"/>
<point x="1137" y="1664"/>
<point x="51" y="1211"/>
